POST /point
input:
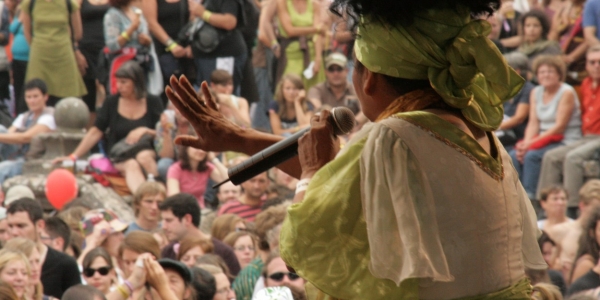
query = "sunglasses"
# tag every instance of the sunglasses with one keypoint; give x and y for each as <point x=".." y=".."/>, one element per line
<point x="333" y="69"/>
<point x="279" y="276"/>
<point x="89" y="272"/>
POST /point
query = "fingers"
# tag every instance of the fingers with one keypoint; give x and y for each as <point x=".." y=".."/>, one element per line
<point x="188" y="140"/>
<point x="208" y="96"/>
<point x="189" y="100"/>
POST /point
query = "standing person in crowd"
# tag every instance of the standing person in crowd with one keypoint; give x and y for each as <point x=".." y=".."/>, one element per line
<point x="301" y="41"/>
<point x="588" y="254"/>
<point x="568" y="30"/>
<point x="83" y="292"/>
<point x="193" y="247"/>
<point x="554" y="120"/>
<point x="59" y="271"/>
<point x="226" y="224"/>
<point x="102" y="228"/>
<point x="536" y="27"/>
<point x="231" y="53"/>
<point x="553" y="200"/>
<point x="567" y="234"/>
<point x="245" y="246"/>
<point x="125" y="28"/>
<point x="14" y="141"/>
<point x="56" y="234"/>
<point x="171" y="124"/>
<point x="56" y="26"/>
<point x="276" y="273"/>
<point x="516" y="110"/>
<point x="181" y="218"/>
<point x="129" y="115"/>
<point x="165" y="21"/>
<point x="233" y="107"/>
<point x="135" y="244"/>
<point x="146" y="201"/>
<point x="15" y="270"/>
<point x="34" y="288"/>
<point x="336" y="90"/>
<point x="252" y="199"/>
<point x="411" y="77"/>
<point x="90" y="46"/>
<point x="291" y="110"/>
<point x="191" y="173"/>
<point x="98" y="270"/>
<point x="20" y="55"/>
<point x="223" y="285"/>
<point x="564" y="165"/>
<point x="268" y="226"/>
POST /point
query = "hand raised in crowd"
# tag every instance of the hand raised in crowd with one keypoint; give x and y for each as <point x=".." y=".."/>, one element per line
<point x="204" y="116"/>
<point x="318" y="146"/>
<point x="156" y="276"/>
<point x="138" y="276"/>
<point x="82" y="64"/>
<point x="101" y="231"/>
<point x="135" y="21"/>
<point x="144" y="39"/>
<point x="135" y="135"/>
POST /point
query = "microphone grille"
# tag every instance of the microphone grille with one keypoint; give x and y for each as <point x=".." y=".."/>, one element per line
<point x="343" y="120"/>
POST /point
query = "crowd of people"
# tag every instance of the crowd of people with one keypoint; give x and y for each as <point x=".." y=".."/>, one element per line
<point x="277" y="64"/>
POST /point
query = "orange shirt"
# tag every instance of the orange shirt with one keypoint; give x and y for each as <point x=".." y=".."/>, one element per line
<point x="590" y="107"/>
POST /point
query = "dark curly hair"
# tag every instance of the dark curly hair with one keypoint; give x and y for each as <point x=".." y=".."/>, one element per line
<point x="401" y="12"/>
<point x="541" y="17"/>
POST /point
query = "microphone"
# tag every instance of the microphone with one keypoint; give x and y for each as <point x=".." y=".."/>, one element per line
<point x="342" y="120"/>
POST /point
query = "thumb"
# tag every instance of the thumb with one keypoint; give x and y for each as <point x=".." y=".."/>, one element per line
<point x="188" y="140"/>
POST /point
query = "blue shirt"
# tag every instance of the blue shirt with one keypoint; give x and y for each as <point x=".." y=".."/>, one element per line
<point x="591" y="15"/>
<point x="20" y="48"/>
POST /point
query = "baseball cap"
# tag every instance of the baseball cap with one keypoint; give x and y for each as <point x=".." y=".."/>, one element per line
<point x="17" y="192"/>
<point x="178" y="267"/>
<point x="95" y="216"/>
<point x="336" y="59"/>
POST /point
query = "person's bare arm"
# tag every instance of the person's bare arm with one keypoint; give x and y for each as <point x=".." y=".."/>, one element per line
<point x="212" y="126"/>
<point x="26" y="21"/>
<point x="589" y="33"/>
<point x="518" y="118"/>
<point x="286" y="22"/>
<point x="20" y="138"/>
<point x="266" y="33"/>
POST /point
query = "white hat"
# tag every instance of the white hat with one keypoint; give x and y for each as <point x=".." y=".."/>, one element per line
<point x="17" y="192"/>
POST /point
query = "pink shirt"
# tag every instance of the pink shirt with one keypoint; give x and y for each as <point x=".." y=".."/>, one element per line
<point x="191" y="182"/>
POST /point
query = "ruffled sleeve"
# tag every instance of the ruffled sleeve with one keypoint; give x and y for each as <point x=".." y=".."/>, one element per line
<point x="399" y="212"/>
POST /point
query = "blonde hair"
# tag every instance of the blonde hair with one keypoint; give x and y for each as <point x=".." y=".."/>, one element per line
<point x="9" y="256"/>
<point x="26" y="247"/>
<point x="148" y="188"/>
<point x="590" y="191"/>
<point x="546" y="291"/>
<point x="280" y="99"/>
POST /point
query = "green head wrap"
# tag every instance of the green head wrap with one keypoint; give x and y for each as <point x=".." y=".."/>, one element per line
<point x="453" y="52"/>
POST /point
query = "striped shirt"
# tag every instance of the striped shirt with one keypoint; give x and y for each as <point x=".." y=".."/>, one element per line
<point x="246" y="212"/>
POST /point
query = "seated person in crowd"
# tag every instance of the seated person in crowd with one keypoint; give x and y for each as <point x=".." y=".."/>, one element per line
<point x="516" y="110"/>
<point x="554" y="203"/>
<point x="232" y="107"/>
<point x="550" y="253"/>
<point x="228" y="192"/>
<point x="222" y="282"/>
<point x="536" y="27"/>
<point x="276" y="273"/>
<point x="564" y="165"/>
<point x="181" y="218"/>
<point x="146" y="200"/>
<point x="336" y="90"/>
<point x="171" y="124"/>
<point x="14" y="141"/>
<point x="554" y="120"/>
<point x="130" y="116"/>
<point x="56" y="234"/>
<point x="192" y="172"/>
<point x="588" y="254"/>
<point x="567" y="234"/>
<point x="291" y="110"/>
<point x="251" y="201"/>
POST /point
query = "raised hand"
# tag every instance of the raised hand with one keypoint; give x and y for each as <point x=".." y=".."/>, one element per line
<point x="215" y="132"/>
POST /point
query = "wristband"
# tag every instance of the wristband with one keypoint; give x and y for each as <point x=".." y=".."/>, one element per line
<point x="171" y="46"/>
<point x="123" y="291"/>
<point x="128" y="285"/>
<point x="302" y="185"/>
<point x="206" y="16"/>
<point x="125" y="35"/>
<point x="73" y="157"/>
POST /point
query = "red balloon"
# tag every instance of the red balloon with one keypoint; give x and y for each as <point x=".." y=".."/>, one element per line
<point x="61" y="188"/>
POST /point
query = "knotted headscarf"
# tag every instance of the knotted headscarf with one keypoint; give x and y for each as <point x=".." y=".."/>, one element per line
<point x="452" y="51"/>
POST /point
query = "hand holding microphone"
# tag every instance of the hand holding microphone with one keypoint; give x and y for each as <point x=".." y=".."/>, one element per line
<point x="321" y="138"/>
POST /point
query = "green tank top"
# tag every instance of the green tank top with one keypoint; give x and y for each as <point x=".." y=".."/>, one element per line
<point x="298" y="20"/>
